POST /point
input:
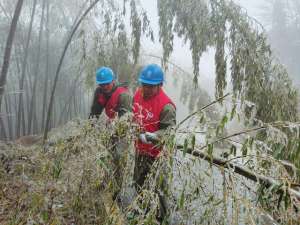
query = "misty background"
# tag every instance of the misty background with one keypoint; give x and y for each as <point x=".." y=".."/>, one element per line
<point x="279" y="18"/>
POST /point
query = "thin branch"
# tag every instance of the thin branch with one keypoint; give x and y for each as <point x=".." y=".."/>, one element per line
<point x="169" y="62"/>
<point x="234" y="135"/>
<point x="193" y="132"/>
<point x="4" y="11"/>
<point x="274" y="124"/>
<point x="199" y="110"/>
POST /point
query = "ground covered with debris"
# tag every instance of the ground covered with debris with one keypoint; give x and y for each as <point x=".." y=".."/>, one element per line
<point x="83" y="175"/>
<point x="64" y="182"/>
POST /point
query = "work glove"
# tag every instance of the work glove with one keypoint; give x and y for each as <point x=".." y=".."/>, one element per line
<point x="151" y="137"/>
<point x="143" y="139"/>
<point x="148" y="138"/>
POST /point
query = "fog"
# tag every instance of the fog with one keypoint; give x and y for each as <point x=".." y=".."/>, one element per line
<point x="61" y="15"/>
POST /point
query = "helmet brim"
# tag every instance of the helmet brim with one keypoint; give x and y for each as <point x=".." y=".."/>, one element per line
<point x="142" y="81"/>
<point x="104" y="82"/>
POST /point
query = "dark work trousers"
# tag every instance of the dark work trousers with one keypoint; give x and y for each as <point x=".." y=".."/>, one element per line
<point x="118" y="150"/>
<point x="143" y="164"/>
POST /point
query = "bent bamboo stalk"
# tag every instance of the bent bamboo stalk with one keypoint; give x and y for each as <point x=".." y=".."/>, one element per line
<point x="266" y="181"/>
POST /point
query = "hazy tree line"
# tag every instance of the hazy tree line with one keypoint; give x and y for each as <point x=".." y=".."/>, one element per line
<point x="283" y="18"/>
<point x="36" y="47"/>
<point x="41" y="34"/>
<point x="42" y="31"/>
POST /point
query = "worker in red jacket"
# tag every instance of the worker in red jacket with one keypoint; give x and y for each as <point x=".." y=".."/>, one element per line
<point x="116" y="101"/>
<point x="153" y="111"/>
<point x="109" y="96"/>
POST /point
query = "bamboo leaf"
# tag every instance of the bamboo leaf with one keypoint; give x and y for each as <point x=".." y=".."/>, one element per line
<point x="210" y="152"/>
<point x="245" y="148"/>
<point x="185" y="147"/>
<point x="181" y="200"/>
<point x="224" y="121"/>
<point x="193" y="141"/>
<point x="233" y="150"/>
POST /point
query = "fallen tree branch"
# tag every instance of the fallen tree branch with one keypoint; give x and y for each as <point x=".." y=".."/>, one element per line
<point x="266" y="181"/>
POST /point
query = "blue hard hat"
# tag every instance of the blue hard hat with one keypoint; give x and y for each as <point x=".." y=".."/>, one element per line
<point x="151" y="74"/>
<point x="104" y="75"/>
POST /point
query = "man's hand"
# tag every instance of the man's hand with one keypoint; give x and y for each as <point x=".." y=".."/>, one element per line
<point x="152" y="137"/>
<point x="143" y="139"/>
<point x="148" y="138"/>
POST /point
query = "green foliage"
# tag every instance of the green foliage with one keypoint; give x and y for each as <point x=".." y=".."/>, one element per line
<point x="219" y="23"/>
<point x="111" y="45"/>
<point x="242" y="51"/>
<point x="140" y="24"/>
<point x="181" y="200"/>
<point x="185" y="146"/>
<point x="136" y="24"/>
<point x="255" y="75"/>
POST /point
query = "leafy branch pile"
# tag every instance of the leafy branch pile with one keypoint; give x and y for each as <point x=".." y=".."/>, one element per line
<point x="66" y="181"/>
<point x="62" y="183"/>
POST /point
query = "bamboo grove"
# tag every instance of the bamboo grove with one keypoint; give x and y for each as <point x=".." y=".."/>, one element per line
<point x="48" y="64"/>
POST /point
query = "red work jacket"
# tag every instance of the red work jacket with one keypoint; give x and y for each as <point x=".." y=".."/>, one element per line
<point x="147" y="116"/>
<point x="111" y="104"/>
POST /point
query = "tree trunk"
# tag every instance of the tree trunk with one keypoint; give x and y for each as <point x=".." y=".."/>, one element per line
<point x="6" y="59"/>
<point x="69" y="112"/>
<point x="3" y="135"/>
<point x="7" y="53"/>
<point x="71" y="92"/>
<point x="8" y="116"/>
<point x="18" y="52"/>
<point x="24" y="64"/>
<point x="80" y="101"/>
<point x="75" y="106"/>
<point x="45" y="94"/>
<point x="36" y="72"/>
